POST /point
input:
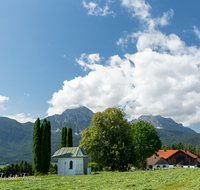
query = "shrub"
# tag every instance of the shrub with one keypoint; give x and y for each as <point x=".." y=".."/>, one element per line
<point x="94" y="166"/>
<point x="107" y="168"/>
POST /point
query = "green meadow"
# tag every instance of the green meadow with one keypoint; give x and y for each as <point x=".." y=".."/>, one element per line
<point x="158" y="179"/>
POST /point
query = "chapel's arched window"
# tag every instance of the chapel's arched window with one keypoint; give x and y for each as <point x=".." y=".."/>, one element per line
<point x="71" y="165"/>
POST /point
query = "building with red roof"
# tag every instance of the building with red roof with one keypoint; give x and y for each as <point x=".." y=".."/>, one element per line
<point x="182" y="158"/>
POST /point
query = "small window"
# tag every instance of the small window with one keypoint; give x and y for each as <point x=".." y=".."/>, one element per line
<point x="71" y="165"/>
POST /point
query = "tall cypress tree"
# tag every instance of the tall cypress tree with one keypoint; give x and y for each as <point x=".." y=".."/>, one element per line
<point x="49" y="144"/>
<point x="70" y="137"/>
<point x="44" y="147"/>
<point x="36" y="148"/>
<point x="66" y="138"/>
<point x="63" y="137"/>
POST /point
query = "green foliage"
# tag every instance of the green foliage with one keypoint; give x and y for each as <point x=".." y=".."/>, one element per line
<point x="107" y="168"/>
<point x="69" y="137"/>
<point x="94" y="166"/>
<point x="146" y="141"/>
<point x="44" y="149"/>
<point x="37" y="146"/>
<point x="48" y="144"/>
<point x="108" y="140"/>
<point x="21" y="168"/>
<point x="53" y="168"/>
<point x="63" y="142"/>
<point x="16" y="169"/>
<point x="13" y="169"/>
<point x="41" y="146"/>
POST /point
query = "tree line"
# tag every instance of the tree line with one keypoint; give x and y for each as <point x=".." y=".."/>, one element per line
<point x="66" y="137"/>
<point x="17" y="169"/>
<point x="112" y="141"/>
<point x="41" y="146"/>
<point x="23" y="167"/>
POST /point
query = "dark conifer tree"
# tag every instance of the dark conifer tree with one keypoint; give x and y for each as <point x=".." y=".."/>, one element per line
<point x="63" y="137"/>
<point x="69" y="137"/>
<point x="30" y="169"/>
<point x="12" y="169"/>
<point x="49" y="144"/>
<point x="25" y="167"/>
<point x="17" y="169"/>
<point x="44" y="147"/>
<point x="21" y="168"/>
<point x="66" y="138"/>
<point x="36" y="149"/>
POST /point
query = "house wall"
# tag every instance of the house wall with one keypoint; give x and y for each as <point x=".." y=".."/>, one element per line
<point x="158" y="166"/>
<point x="64" y="165"/>
<point x="181" y="159"/>
<point x="79" y="166"/>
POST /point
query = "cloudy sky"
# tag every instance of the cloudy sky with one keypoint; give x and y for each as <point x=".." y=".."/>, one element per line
<point x="140" y="55"/>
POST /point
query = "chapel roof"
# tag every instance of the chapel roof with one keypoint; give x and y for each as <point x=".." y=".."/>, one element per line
<point x="68" y="152"/>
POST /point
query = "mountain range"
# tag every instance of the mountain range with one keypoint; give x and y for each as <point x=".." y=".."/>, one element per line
<point x="16" y="138"/>
<point x="160" y="122"/>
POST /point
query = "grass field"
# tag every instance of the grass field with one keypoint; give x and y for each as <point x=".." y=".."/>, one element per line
<point x="159" y="179"/>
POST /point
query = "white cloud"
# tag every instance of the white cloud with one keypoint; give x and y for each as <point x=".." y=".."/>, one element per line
<point x="94" y="9"/>
<point x="64" y="56"/>
<point x="157" y="83"/>
<point x="140" y="10"/>
<point x="27" y="94"/>
<point x="21" y="117"/>
<point x="2" y="100"/>
<point x="161" y="78"/>
<point x="91" y="59"/>
<point x="101" y="88"/>
<point x="196" y="31"/>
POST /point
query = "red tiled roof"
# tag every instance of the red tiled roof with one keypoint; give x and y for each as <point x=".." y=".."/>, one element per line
<point x="167" y="153"/>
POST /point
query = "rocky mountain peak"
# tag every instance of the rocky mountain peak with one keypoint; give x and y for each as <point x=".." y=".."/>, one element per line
<point x="160" y="122"/>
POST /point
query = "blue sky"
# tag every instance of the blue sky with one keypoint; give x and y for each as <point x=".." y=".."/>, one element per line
<point x="141" y="56"/>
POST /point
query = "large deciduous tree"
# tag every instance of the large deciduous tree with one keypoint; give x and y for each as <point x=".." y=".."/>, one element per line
<point x="108" y="140"/>
<point x="145" y="140"/>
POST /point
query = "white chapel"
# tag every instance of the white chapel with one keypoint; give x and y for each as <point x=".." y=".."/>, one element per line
<point x="72" y="161"/>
